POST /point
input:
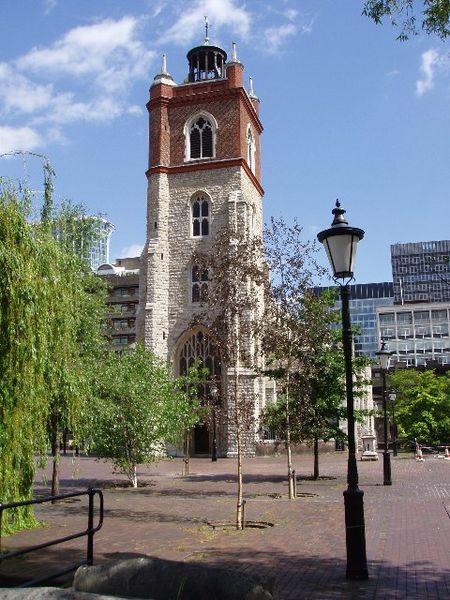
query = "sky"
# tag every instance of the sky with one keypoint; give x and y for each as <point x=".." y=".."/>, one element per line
<point x="348" y="111"/>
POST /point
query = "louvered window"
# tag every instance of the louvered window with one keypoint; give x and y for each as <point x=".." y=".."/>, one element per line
<point x="251" y="150"/>
<point x="201" y="139"/>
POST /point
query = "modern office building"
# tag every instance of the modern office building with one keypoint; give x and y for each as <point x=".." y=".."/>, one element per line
<point x="123" y="301"/>
<point x="364" y="300"/>
<point x="421" y="272"/>
<point x="417" y="334"/>
<point x="99" y="250"/>
<point x="95" y="252"/>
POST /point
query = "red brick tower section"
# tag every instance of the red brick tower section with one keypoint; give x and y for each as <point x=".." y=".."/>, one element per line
<point x="227" y="100"/>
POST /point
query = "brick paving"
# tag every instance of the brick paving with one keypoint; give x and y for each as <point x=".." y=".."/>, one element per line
<point x="407" y="524"/>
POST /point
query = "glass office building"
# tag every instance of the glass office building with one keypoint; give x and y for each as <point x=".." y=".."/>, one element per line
<point x="365" y="298"/>
<point x="418" y="334"/>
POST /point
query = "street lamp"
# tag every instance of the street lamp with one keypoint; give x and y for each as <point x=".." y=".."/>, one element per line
<point x="393" y="398"/>
<point x="340" y="242"/>
<point x="214" y="390"/>
<point x="384" y="356"/>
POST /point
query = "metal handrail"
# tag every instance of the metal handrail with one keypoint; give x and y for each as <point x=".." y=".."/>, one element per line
<point x="89" y="532"/>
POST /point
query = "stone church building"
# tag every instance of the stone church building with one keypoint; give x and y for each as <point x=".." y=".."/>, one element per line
<point x="204" y="174"/>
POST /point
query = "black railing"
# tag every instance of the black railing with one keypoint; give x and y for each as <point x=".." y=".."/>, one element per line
<point x="89" y="533"/>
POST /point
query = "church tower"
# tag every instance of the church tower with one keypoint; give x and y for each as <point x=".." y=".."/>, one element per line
<point x="204" y="174"/>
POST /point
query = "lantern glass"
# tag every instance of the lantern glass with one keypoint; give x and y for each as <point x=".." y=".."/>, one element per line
<point x="341" y="251"/>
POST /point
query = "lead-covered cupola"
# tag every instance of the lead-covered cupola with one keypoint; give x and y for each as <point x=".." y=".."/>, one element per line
<point x="206" y="62"/>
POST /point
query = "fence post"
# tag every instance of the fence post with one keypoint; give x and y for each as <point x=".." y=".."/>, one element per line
<point x="294" y="483"/>
<point x="90" y="531"/>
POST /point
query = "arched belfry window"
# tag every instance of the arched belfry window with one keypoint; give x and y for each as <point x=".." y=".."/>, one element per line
<point x="251" y="149"/>
<point x="199" y="284"/>
<point x="200" y="132"/>
<point x="200" y="216"/>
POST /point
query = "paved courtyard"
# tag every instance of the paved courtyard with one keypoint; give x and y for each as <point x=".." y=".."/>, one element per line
<point x="407" y="525"/>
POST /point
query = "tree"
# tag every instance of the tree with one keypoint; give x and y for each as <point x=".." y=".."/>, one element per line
<point x="422" y="409"/>
<point x="296" y="323"/>
<point x="138" y="407"/>
<point x="435" y="16"/>
<point x="48" y="322"/>
<point x="77" y="313"/>
<point x="232" y="308"/>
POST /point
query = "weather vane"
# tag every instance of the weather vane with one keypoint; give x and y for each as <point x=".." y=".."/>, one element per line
<point x="206" y="30"/>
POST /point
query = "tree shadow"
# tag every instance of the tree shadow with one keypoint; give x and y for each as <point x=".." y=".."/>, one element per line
<point x="297" y="577"/>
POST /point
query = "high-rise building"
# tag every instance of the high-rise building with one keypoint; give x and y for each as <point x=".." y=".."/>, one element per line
<point x="364" y="300"/>
<point x="99" y="250"/>
<point x="204" y="174"/>
<point x="123" y="301"/>
<point x="418" y="334"/>
<point x="421" y="272"/>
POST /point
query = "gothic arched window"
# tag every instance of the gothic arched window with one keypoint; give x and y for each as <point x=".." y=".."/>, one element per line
<point x="251" y="150"/>
<point x="200" y="132"/>
<point x="200" y="216"/>
<point x="200" y="348"/>
<point x="199" y="284"/>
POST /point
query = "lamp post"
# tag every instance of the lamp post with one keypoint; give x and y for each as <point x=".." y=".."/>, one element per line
<point x="340" y="242"/>
<point x="393" y="398"/>
<point x="384" y="356"/>
<point x="214" y="390"/>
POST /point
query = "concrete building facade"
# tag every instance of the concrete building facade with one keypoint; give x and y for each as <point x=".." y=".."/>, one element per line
<point x="421" y="272"/>
<point x="123" y="302"/>
<point x="204" y="175"/>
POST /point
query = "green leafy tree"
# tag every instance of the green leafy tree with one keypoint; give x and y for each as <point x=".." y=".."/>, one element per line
<point x="77" y="311"/>
<point x="296" y="323"/>
<point x="434" y="16"/>
<point x="138" y="407"/>
<point x="49" y="326"/>
<point x="422" y="409"/>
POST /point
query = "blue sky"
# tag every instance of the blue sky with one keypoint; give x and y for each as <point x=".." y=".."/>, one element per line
<point x="348" y="111"/>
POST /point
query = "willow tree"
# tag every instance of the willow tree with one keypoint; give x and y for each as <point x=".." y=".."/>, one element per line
<point x="49" y="321"/>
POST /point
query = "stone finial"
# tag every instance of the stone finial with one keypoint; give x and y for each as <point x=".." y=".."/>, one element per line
<point x="164" y="76"/>
<point x="164" y="65"/>
<point x="251" y="91"/>
<point x="234" y="57"/>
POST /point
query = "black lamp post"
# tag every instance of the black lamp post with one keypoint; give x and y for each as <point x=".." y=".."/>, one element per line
<point x="340" y="242"/>
<point x="393" y="398"/>
<point x="384" y="356"/>
<point x="214" y="390"/>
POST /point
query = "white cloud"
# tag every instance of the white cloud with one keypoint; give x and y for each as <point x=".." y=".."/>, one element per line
<point x="18" y="138"/>
<point x="274" y="37"/>
<point x="109" y="52"/>
<point x="20" y="94"/>
<point x="131" y="251"/>
<point x="49" y="5"/>
<point x="221" y="13"/>
<point x="430" y="61"/>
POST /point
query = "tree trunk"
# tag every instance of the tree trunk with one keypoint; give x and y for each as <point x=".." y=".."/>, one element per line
<point x="288" y="443"/>
<point x="133" y="477"/>
<point x="187" y="440"/>
<point x="316" y="457"/>
<point x="55" y="458"/>
<point x="240" y="497"/>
